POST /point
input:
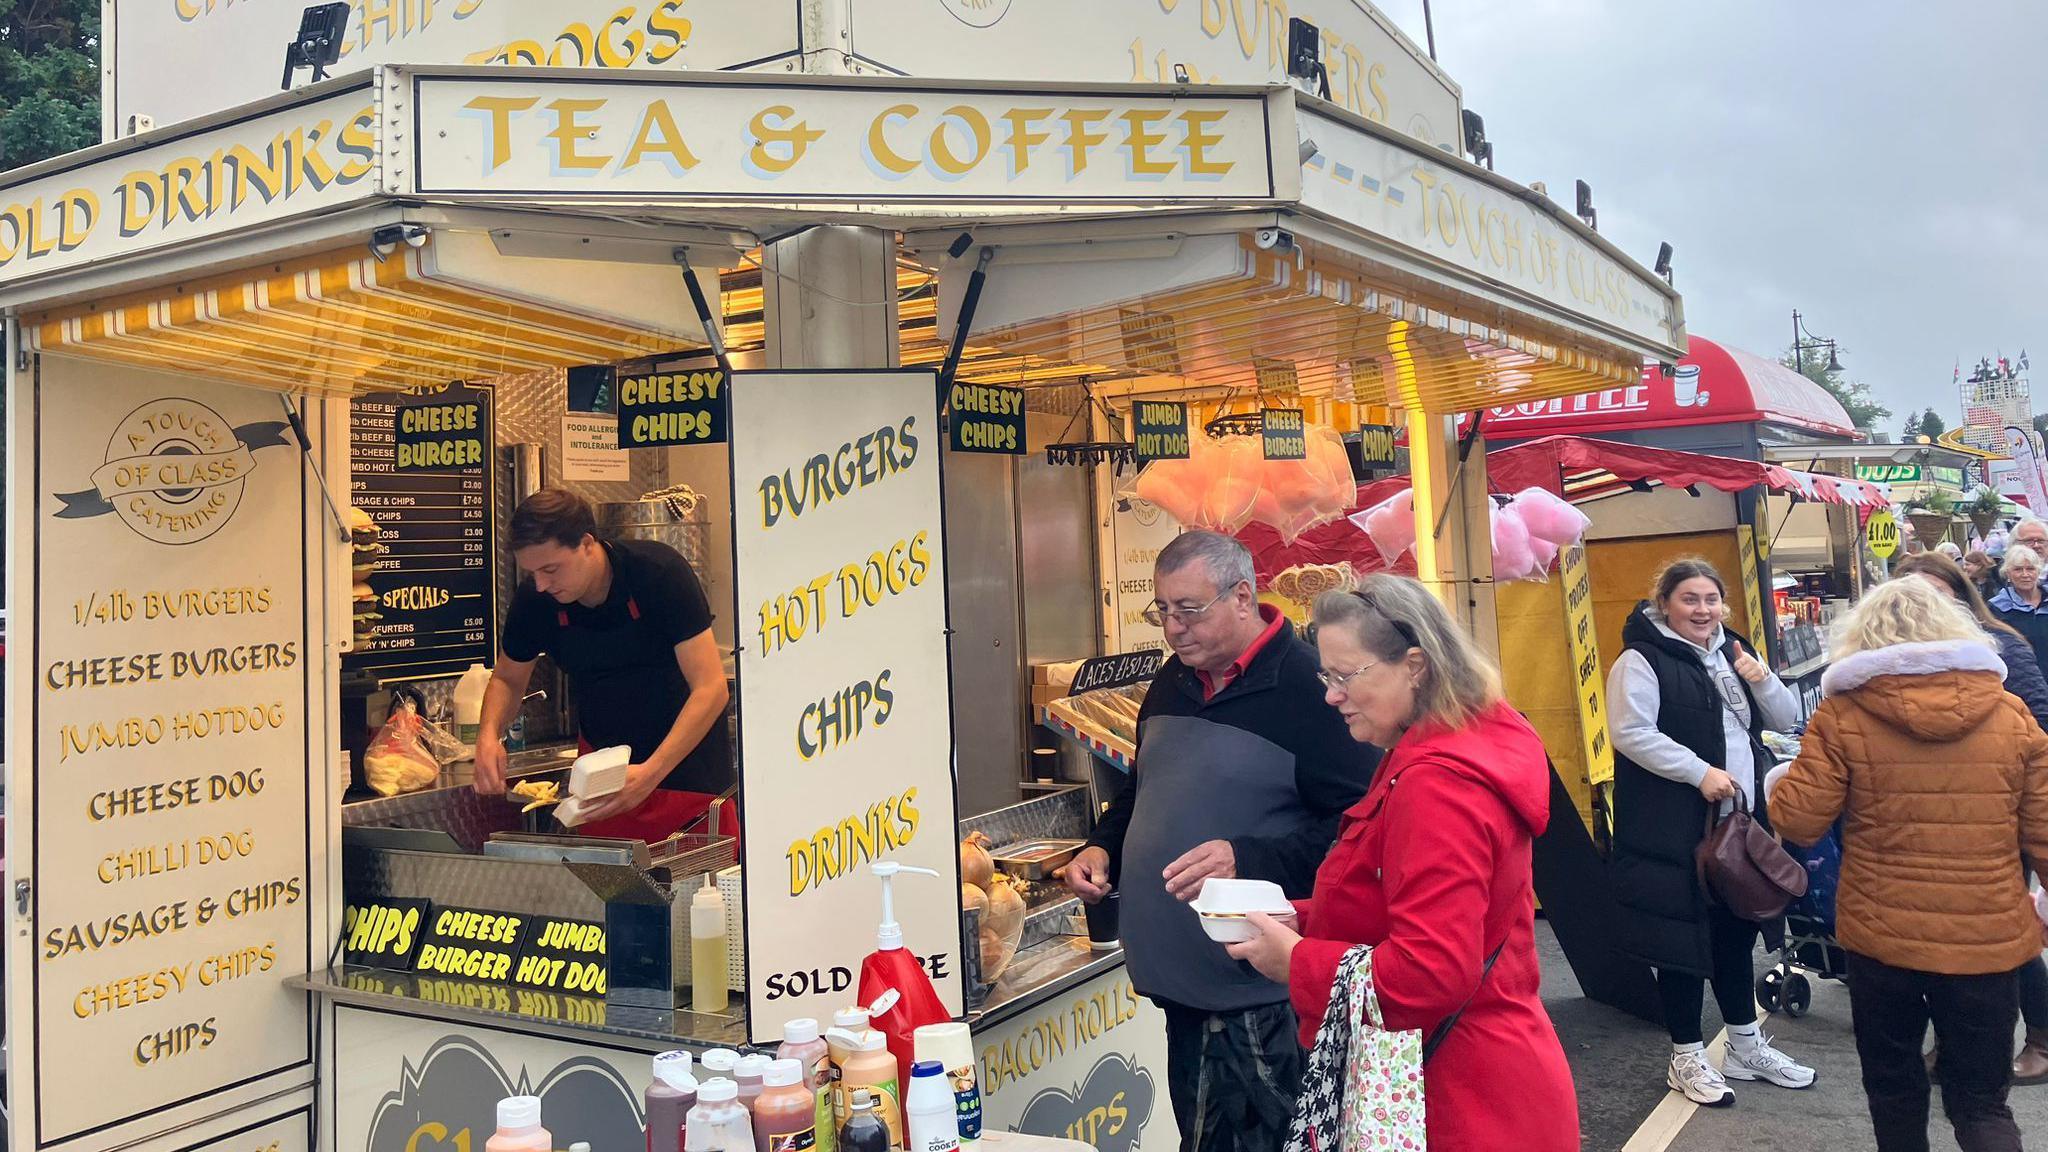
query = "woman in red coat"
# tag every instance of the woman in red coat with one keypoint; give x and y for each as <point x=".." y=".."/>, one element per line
<point x="1432" y="868"/>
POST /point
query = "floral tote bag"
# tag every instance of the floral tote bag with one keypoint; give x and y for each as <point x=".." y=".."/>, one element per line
<point x="1362" y="1089"/>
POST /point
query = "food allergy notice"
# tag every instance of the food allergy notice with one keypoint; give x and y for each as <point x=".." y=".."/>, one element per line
<point x="172" y="863"/>
<point x="423" y="477"/>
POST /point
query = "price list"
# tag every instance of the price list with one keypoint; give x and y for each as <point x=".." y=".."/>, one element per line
<point x="426" y="589"/>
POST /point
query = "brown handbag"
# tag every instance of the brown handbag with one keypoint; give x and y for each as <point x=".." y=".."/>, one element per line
<point x="1746" y="869"/>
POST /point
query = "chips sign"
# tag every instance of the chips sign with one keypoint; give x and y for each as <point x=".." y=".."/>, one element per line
<point x="1162" y="430"/>
<point x="1883" y="534"/>
<point x="1376" y="445"/>
<point x="383" y="933"/>
<point x="660" y="409"/>
<point x="1285" y="433"/>
<point x="987" y="419"/>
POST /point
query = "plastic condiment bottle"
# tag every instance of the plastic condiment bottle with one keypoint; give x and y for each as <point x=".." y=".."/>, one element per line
<point x="719" y="1122"/>
<point x="669" y="1099"/>
<point x="748" y="1073"/>
<point x="929" y="1112"/>
<point x="864" y="1131"/>
<point x="708" y="974"/>
<point x="952" y="1045"/>
<point x="519" y="1127"/>
<point x="870" y="1067"/>
<point x="847" y="1023"/>
<point x="719" y="1062"/>
<point x="786" y="1113"/>
<point x="469" y="703"/>
<point x="801" y="1043"/>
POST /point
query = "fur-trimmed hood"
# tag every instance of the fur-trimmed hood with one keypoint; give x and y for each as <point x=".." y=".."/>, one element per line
<point x="1935" y="691"/>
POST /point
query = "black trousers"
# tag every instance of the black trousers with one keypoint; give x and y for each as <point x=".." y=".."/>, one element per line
<point x="2034" y="995"/>
<point x="1733" y="945"/>
<point x="1973" y="1019"/>
<point x="1233" y="1077"/>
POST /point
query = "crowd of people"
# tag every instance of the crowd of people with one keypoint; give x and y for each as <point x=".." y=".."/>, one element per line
<point x="1373" y="769"/>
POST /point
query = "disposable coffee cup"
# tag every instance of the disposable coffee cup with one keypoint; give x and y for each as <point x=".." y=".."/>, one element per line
<point x="1102" y="920"/>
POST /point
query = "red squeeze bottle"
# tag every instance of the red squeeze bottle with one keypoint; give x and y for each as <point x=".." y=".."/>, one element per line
<point x="899" y="996"/>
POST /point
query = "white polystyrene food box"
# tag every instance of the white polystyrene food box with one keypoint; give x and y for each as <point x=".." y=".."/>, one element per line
<point x="600" y="773"/>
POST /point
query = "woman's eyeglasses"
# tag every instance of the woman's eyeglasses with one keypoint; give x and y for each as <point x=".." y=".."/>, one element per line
<point x="1336" y="683"/>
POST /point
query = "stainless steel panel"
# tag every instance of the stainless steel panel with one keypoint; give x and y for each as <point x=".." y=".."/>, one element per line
<point x="1057" y="547"/>
<point x="988" y="666"/>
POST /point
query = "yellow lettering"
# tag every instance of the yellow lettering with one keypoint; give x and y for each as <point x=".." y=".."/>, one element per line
<point x="771" y="126"/>
<point x="878" y="141"/>
<point x="569" y="132"/>
<point x="500" y="109"/>
<point x="942" y="150"/>
<point x="659" y="135"/>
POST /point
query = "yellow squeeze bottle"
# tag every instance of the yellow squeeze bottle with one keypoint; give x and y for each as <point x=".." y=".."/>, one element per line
<point x="708" y="973"/>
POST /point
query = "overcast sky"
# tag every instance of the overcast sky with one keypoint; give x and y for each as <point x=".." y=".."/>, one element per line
<point x="1880" y="166"/>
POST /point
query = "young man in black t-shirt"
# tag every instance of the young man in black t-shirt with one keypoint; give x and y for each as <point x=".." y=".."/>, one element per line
<point x="628" y="624"/>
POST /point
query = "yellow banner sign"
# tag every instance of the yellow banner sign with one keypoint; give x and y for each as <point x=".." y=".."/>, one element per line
<point x="1585" y="646"/>
<point x="1747" y="543"/>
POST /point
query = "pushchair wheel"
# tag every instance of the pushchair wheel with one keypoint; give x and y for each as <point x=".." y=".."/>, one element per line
<point x="1798" y="995"/>
<point x="1770" y="990"/>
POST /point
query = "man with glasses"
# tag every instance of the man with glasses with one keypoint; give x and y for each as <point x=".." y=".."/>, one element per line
<point x="1243" y="771"/>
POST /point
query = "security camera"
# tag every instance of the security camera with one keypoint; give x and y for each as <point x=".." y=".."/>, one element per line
<point x="1274" y="239"/>
<point x="1309" y="148"/>
<point x="384" y="241"/>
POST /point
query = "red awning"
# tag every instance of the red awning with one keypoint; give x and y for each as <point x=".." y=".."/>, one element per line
<point x="1827" y="489"/>
<point x="1715" y="384"/>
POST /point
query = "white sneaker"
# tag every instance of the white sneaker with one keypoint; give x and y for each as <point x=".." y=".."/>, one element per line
<point x="1764" y="1062"/>
<point x="1692" y="1076"/>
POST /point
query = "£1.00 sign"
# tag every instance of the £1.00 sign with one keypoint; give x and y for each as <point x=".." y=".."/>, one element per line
<point x="1883" y="534"/>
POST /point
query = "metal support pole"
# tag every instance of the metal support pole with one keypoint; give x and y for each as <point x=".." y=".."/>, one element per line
<point x="702" y="303"/>
<point x="961" y="323"/>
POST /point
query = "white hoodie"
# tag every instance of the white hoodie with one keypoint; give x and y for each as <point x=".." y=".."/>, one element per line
<point x="1632" y="703"/>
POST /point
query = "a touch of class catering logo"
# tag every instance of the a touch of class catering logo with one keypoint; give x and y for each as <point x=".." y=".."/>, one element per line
<point x="174" y="471"/>
<point x="979" y="13"/>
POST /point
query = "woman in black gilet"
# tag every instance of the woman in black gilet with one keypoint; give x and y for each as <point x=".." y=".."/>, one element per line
<point x="1688" y="705"/>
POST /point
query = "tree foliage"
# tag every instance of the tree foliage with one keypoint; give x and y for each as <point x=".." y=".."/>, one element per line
<point x="1926" y="422"/>
<point x="49" y="78"/>
<point x="1864" y="410"/>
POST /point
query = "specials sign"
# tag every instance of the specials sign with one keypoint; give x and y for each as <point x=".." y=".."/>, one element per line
<point x="168" y="773"/>
<point x="422" y="475"/>
<point x="846" y="740"/>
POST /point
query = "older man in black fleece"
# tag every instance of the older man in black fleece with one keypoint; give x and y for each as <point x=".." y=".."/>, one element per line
<point x="1243" y="772"/>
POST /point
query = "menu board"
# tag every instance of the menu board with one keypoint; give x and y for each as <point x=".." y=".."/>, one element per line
<point x="423" y="475"/>
<point x="167" y="811"/>
<point x="846" y="739"/>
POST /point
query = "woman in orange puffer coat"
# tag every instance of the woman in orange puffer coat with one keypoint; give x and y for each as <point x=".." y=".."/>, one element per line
<point x="1940" y="778"/>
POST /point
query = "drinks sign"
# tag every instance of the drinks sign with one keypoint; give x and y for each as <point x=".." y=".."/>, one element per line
<point x="846" y="740"/>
